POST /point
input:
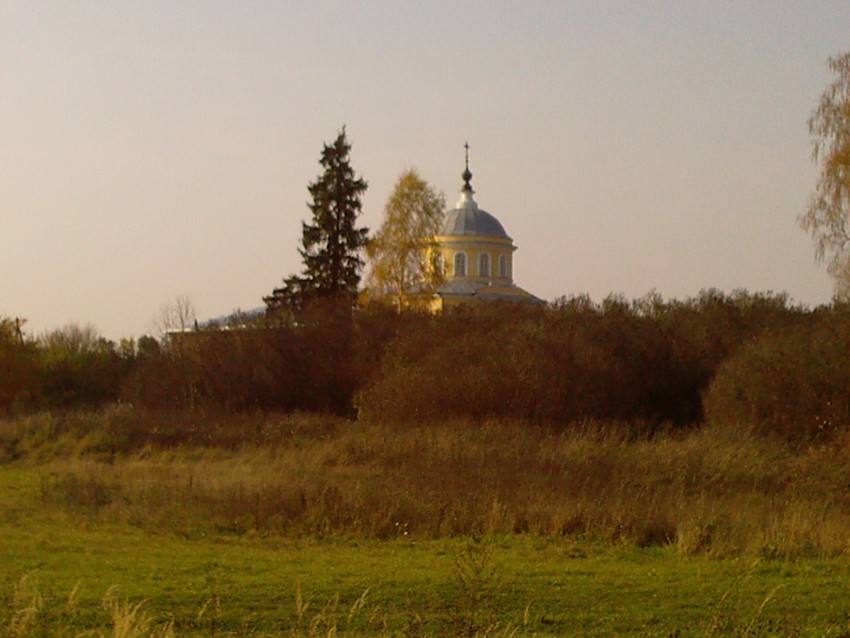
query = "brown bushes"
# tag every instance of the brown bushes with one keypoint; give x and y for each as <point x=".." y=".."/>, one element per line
<point x="313" y="364"/>
<point x="794" y="383"/>
<point x="18" y="366"/>
<point x="647" y="362"/>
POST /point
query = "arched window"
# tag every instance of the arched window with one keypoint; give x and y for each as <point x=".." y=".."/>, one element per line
<point x="460" y="264"/>
<point x="503" y="266"/>
<point x="484" y="265"/>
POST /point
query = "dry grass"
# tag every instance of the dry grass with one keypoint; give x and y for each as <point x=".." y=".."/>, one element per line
<point x="29" y="613"/>
<point x="705" y="491"/>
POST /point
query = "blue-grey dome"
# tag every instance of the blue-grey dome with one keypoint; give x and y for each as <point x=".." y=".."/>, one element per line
<point x="468" y="219"/>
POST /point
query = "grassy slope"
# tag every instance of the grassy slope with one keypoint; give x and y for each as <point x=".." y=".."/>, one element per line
<point x="568" y="587"/>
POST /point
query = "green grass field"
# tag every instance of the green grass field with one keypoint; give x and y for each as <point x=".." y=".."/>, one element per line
<point x="218" y="584"/>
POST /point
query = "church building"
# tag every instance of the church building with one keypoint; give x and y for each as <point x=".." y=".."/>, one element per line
<point x="476" y="255"/>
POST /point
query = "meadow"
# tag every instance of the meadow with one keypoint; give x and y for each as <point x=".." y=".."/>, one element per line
<point x="645" y="468"/>
<point x="124" y="522"/>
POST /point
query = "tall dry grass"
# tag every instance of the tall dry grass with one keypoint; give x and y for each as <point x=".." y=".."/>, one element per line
<point x="27" y="612"/>
<point x="473" y="612"/>
<point x="710" y="491"/>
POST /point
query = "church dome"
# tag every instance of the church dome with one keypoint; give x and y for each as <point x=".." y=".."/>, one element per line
<point x="467" y="218"/>
<point x="470" y="220"/>
<point x="475" y="254"/>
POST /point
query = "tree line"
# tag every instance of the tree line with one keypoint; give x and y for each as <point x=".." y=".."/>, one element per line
<point x="744" y="360"/>
<point x="69" y="367"/>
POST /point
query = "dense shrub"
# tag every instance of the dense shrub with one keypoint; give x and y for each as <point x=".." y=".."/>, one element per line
<point x="647" y="361"/>
<point x="794" y="383"/>
<point x="79" y="368"/>
<point x="18" y="366"/>
<point x="308" y="365"/>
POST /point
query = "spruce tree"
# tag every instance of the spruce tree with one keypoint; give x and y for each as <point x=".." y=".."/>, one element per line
<point x="331" y="245"/>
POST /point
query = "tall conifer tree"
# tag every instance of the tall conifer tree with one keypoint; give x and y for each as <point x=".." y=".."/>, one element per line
<point x="331" y="244"/>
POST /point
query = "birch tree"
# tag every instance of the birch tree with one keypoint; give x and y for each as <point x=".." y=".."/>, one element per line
<point x="827" y="216"/>
<point x="404" y="269"/>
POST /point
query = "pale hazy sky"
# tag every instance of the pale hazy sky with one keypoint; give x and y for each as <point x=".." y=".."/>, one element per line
<point x="158" y="148"/>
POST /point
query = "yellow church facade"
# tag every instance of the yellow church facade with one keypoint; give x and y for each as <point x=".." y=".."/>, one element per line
<point x="476" y="256"/>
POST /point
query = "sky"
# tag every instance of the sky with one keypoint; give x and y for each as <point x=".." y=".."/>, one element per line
<point x="159" y="149"/>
